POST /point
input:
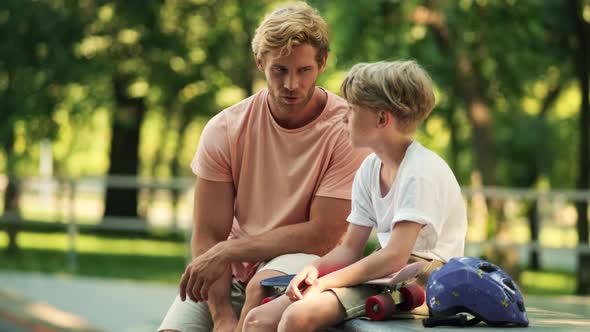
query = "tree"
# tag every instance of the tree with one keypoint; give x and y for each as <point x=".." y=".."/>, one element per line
<point x="38" y="62"/>
<point x="582" y="65"/>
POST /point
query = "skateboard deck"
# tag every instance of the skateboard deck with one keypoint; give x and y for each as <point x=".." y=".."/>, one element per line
<point x="399" y="293"/>
<point x="407" y="273"/>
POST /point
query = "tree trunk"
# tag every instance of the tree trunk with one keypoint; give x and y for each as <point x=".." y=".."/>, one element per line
<point x="533" y="217"/>
<point x="582" y="59"/>
<point x="469" y="87"/>
<point x="124" y="154"/>
<point x="11" y="198"/>
<point x="535" y="170"/>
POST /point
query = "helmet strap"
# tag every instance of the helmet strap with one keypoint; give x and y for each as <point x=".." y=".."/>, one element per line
<point x="455" y="320"/>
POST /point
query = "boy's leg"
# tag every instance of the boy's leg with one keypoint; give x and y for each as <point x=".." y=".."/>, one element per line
<point x="312" y="314"/>
<point x="285" y="264"/>
<point x="422" y="310"/>
<point x="255" y="293"/>
<point x="267" y="316"/>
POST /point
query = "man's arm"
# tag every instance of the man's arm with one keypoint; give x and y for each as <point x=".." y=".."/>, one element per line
<point x="316" y="236"/>
<point x="213" y="214"/>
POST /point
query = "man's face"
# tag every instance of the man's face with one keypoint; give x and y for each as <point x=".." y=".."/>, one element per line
<point x="291" y="79"/>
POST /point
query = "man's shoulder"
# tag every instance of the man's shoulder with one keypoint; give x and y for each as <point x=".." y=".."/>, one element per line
<point x="232" y="117"/>
<point x="335" y="102"/>
<point x="244" y="105"/>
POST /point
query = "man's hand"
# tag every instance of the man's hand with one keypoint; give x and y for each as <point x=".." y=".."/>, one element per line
<point x="202" y="272"/>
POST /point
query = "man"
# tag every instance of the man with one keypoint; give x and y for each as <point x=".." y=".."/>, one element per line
<point x="274" y="174"/>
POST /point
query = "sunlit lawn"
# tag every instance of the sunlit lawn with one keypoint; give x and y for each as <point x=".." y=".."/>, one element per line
<point x="163" y="261"/>
<point x="137" y="259"/>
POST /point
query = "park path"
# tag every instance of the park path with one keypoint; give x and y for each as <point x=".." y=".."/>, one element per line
<point x="40" y="303"/>
<point x="105" y="305"/>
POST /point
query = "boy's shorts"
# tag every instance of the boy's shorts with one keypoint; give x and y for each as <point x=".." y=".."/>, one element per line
<point x="353" y="298"/>
<point x="189" y="316"/>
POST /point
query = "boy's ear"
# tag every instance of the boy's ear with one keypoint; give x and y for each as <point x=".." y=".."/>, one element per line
<point x="383" y="119"/>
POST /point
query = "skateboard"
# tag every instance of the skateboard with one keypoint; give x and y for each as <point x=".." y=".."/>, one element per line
<point x="399" y="292"/>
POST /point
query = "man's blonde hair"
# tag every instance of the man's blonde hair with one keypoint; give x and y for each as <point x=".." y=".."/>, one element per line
<point x="400" y="87"/>
<point x="289" y="26"/>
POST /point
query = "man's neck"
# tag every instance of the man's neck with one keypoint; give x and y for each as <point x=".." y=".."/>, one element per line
<point x="300" y="118"/>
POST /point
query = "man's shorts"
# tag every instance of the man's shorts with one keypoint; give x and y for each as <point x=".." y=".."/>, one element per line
<point x="190" y="316"/>
<point x="353" y="298"/>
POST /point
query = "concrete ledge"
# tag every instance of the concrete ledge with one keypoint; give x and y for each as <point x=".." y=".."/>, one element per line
<point x="560" y="314"/>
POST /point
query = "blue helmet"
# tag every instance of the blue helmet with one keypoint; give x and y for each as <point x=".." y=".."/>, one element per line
<point x="474" y="286"/>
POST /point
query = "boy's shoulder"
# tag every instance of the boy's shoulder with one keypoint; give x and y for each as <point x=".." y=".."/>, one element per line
<point x="370" y="162"/>
<point x="425" y="163"/>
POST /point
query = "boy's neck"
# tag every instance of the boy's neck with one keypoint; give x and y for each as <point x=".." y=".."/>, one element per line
<point x="392" y="151"/>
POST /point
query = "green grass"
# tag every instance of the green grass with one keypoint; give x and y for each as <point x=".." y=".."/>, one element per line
<point x="162" y="269"/>
<point x="548" y="282"/>
<point x="164" y="261"/>
<point x="105" y="257"/>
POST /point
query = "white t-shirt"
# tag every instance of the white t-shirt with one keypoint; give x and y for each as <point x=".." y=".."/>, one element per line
<point x="424" y="191"/>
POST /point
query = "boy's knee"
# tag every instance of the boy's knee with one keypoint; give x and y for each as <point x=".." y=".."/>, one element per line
<point x="254" y="289"/>
<point x="255" y="320"/>
<point x="296" y="318"/>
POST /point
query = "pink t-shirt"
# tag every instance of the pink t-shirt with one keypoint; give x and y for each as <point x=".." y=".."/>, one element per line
<point x="276" y="171"/>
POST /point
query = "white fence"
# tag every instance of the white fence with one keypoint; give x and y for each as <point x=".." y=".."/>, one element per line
<point x="166" y="205"/>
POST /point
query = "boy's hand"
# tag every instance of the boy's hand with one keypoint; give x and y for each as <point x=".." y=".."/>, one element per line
<point x="301" y="281"/>
<point x="316" y="288"/>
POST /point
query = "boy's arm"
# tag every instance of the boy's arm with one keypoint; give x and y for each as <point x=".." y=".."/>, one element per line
<point x="381" y="263"/>
<point x="212" y="219"/>
<point x="350" y="251"/>
<point x="317" y="236"/>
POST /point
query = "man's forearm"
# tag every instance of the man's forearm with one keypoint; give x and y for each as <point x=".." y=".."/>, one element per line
<point x="201" y="243"/>
<point x="297" y="238"/>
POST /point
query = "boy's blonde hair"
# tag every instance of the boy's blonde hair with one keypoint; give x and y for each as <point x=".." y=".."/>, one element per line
<point x="289" y="26"/>
<point x="400" y="87"/>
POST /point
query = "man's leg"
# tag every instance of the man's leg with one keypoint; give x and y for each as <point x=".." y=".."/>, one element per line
<point x="220" y="304"/>
<point x="190" y="316"/>
<point x="255" y="293"/>
<point x="187" y="316"/>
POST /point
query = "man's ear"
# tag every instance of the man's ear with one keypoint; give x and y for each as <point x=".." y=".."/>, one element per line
<point x="259" y="63"/>
<point x="323" y="63"/>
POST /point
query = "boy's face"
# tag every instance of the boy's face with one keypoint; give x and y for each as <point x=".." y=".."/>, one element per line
<point x="291" y="79"/>
<point x="361" y="124"/>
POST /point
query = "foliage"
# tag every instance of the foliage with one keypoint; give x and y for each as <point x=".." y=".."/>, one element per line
<point x="193" y="58"/>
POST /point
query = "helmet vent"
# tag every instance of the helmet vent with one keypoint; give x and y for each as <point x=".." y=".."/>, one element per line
<point x="509" y="284"/>
<point x="487" y="267"/>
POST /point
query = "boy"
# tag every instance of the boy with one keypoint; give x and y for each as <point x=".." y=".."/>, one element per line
<point x="403" y="190"/>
